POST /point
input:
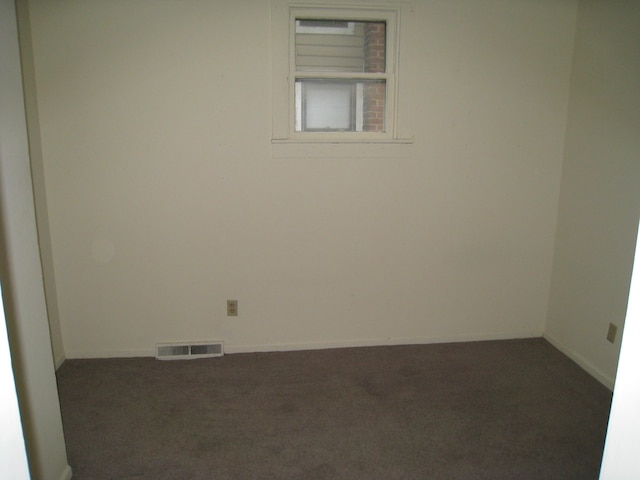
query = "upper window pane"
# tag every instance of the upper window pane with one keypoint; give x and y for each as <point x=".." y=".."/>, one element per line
<point x="340" y="46"/>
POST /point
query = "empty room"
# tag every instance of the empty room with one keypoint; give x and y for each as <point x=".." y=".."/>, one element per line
<point x="371" y="239"/>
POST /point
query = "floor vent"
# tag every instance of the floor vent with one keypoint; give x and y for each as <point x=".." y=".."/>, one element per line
<point x="182" y="351"/>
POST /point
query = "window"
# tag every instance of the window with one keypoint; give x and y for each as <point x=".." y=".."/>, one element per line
<point x="341" y="74"/>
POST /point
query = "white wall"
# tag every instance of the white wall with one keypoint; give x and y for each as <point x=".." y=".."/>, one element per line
<point x="600" y="193"/>
<point x="165" y="196"/>
<point x="620" y="460"/>
<point x="21" y="273"/>
<point x="13" y="456"/>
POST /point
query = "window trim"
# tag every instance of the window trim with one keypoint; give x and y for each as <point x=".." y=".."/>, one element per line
<point x="317" y="29"/>
<point x="284" y="17"/>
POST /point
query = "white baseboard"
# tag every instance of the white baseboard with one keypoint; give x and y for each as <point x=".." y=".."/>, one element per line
<point x="230" y="348"/>
<point x="591" y="369"/>
<point x="371" y="342"/>
<point x="66" y="473"/>
<point x="111" y="354"/>
<point x="58" y="361"/>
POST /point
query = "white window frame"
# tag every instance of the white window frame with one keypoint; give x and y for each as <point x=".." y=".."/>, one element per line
<point x="284" y="73"/>
<point x="348" y="30"/>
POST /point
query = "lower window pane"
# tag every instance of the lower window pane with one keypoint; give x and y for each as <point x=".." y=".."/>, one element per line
<point x="328" y="105"/>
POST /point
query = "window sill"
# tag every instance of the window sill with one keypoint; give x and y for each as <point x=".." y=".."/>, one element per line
<point x="394" y="141"/>
<point x="342" y="148"/>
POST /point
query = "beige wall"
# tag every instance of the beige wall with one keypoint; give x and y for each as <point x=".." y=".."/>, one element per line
<point x="37" y="173"/>
<point x="165" y="196"/>
<point x="22" y="286"/>
<point x="600" y="193"/>
<point x="13" y="455"/>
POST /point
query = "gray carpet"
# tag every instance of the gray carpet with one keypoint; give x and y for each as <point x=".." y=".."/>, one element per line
<point x="515" y="409"/>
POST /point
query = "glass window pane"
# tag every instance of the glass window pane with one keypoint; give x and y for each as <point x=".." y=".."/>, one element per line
<point x="340" y="105"/>
<point x="340" y="46"/>
<point x="327" y="105"/>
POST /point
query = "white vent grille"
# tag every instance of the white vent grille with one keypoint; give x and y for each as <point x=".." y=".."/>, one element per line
<point x="182" y="351"/>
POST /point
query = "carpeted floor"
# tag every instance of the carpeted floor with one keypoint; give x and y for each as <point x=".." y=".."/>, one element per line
<point x="515" y="409"/>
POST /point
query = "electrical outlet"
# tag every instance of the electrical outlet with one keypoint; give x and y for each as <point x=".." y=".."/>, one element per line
<point x="611" y="333"/>
<point x="232" y="308"/>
